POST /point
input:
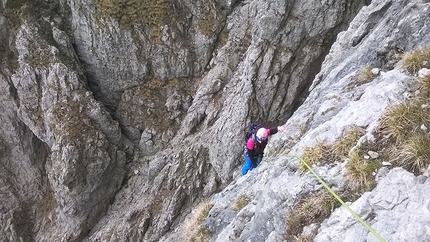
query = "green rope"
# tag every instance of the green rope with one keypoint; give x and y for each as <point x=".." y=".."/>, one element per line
<point x="340" y="200"/>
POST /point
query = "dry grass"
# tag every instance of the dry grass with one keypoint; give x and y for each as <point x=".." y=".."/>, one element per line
<point x="424" y="85"/>
<point x="151" y="13"/>
<point x="360" y="171"/>
<point x="195" y="231"/>
<point x="343" y="146"/>
<point x="302" y="238"/>
<point x="405" y="127"/>
<point x="313" y="155"/>
<point x="403" y="133"/>
<point x="240" y="203"/>
<point x="366" y="75"/>
<point x="405" y="119"/>
<point x="312" y="209"/>
<point x="414" y="154"/>
<point x="207" y="24"/>
<point x="415" y="60"/>
<point x="322" y="154"/>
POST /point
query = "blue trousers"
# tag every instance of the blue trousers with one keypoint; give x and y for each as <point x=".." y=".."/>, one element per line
<point x="248" y="163"/>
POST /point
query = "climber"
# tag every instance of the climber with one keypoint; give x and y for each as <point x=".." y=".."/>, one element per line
<point x="255" y="144"/>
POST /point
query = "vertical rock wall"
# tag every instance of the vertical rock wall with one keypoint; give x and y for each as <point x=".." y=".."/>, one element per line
<point x="119" y="115"/>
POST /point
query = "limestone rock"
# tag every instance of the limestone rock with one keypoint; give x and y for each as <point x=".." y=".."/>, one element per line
<point x="117" y="120"/>
<point x="396" y="209"/>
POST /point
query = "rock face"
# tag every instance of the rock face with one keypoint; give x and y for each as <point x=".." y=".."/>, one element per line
<point x="118" y="117"/>
<point x="400" y="207"/>
<point x="57" y="139"/>
<point x="337" y="101"/>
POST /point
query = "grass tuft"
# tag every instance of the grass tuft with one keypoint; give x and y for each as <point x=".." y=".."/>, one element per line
<point x="414" y="154"/>
<point x="343" y="146"/>
<point x="312" y="209"/>
<point x="405" y="127"/>
<point x="403" y="137"/>
<point x="207" y="24"/>
<point x="424" y="85"/>
<point x="324" y="154"/>
<point x="313" y="155"/>
<point x="415" y="60"/>
<point x="366" y="75"/>
<point x="240" y="203"/>
<point x="303" y="238"/>
<point x="195" y="231"/>
<point x="360" y="171"/>
<point x="405" y="119"/>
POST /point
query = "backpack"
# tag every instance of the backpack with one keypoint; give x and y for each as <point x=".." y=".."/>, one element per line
<point x="252" y="130"/>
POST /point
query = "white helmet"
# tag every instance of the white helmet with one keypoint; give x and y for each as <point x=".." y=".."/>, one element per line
<point x="262" y="134"/>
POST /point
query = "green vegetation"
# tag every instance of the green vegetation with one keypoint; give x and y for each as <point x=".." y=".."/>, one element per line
<point x="364" y="76"/>
<point x="71" y="125"/>
<point x="154" y="14"/>
<point x="403" y="131"/>
<point x="316" y="208"/>
<point x="33" y="13"/>
<point x="240" y="203"/>
<point x="146" y="105"/>
<point x="222" y="38"/>
<point x="359" y="174"/>
<point x="194" y="231"/>
<point x="39" y="57"/>
<point x="48" y="202"/>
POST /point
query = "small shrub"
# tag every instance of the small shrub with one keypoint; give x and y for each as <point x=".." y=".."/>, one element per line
<point x="195" y="231"/>
<point x="240" y="203"/>
<point x="415" y="60"/>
